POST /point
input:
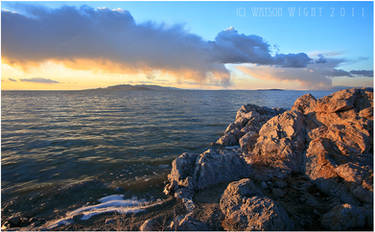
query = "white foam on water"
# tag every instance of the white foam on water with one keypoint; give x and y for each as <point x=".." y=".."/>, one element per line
<point x="111" y="198"/>
<point x="109" y="204"/>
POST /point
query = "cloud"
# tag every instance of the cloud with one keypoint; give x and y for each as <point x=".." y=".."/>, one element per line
<point x="11" y="79"/>
<point x="317" y="75"/>
<point x="366" y="73"/>
<point x="232" y="47"/>
<point x="40" y="80"/>
<point x="326" y="53"/>
<point x="111" y="40"/>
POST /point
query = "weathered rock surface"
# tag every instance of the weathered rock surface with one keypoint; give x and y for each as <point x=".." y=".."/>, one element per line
<point x="246" y="208"/>
<point x="249" y="120"/>
<point x="192" y="172"/>
<point x="315" y="159"/>
<point x="281" y="142"/>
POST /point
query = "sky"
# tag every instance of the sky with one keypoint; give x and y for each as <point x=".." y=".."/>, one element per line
<point x="198" y="45"/>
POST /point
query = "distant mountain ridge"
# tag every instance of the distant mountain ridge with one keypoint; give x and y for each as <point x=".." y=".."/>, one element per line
<point x="127" y="87"/>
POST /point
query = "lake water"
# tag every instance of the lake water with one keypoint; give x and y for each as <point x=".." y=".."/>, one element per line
<point x="63" y="149"/>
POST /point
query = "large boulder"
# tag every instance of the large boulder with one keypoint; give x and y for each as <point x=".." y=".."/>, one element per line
<point x="246" y="208"/>
<point x="281" y="142"/>
<point x="218" y="166"/>
<point x="191" y="172"/>
<point x="180" y="178"/>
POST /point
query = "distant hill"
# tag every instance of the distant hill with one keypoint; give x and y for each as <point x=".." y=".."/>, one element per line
<point x="270" y="89"/>
<point x="133" y="87"/>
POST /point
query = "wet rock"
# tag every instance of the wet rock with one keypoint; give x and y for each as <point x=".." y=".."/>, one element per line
<point x="246" y="208"/>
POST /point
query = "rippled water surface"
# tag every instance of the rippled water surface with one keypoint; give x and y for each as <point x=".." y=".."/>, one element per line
<point x="62" y="148"/>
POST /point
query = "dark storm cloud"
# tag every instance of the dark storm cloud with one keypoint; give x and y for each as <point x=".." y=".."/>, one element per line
<point x="366" y="73"/>
<point x="321" y="59"/>
<point x="231" y="47"/>
<point x="40" y="80"/>
<point x="70" y="33"/>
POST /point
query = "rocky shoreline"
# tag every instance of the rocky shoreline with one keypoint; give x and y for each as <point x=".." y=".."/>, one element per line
<point x="307" y="168"/>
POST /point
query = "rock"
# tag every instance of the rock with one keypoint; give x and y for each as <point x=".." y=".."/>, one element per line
<point x="351" y="172"/>
<point x="228" y="139"/>
<point x="180" y="176"/>
<point x="150" y="225"/>
<point x="248" y="118"/>
<point x="109" y="221"/>
<point x="248" y="140"/>
<point x="246" y="208"/>
<point x="339" y="144"/>
<point x="311" y="158"/>
<point x="188" y="223"/>
<point x="17" y="220"/>
<point x="192" y="172"/>
<point x="304" y="104"/>
<point x="344" y="217"/>
<point x="339" y="101"/>
<point x="281" y="143"/>
<point x="361" y="193"/>
<point x="278" y="193"/>
<point x="181" y="167"/>
<point x="213" y="167"/>
<point x="280" y="183"/>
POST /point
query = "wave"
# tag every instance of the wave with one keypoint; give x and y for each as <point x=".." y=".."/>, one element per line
<point x="108" y="204"/>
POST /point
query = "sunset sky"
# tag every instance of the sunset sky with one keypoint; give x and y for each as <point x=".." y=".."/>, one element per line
<point x="199" y="45"/>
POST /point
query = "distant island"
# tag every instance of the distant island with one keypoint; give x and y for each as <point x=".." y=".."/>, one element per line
<point x="127" y="87"/>
<point x="270" y="89"/>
